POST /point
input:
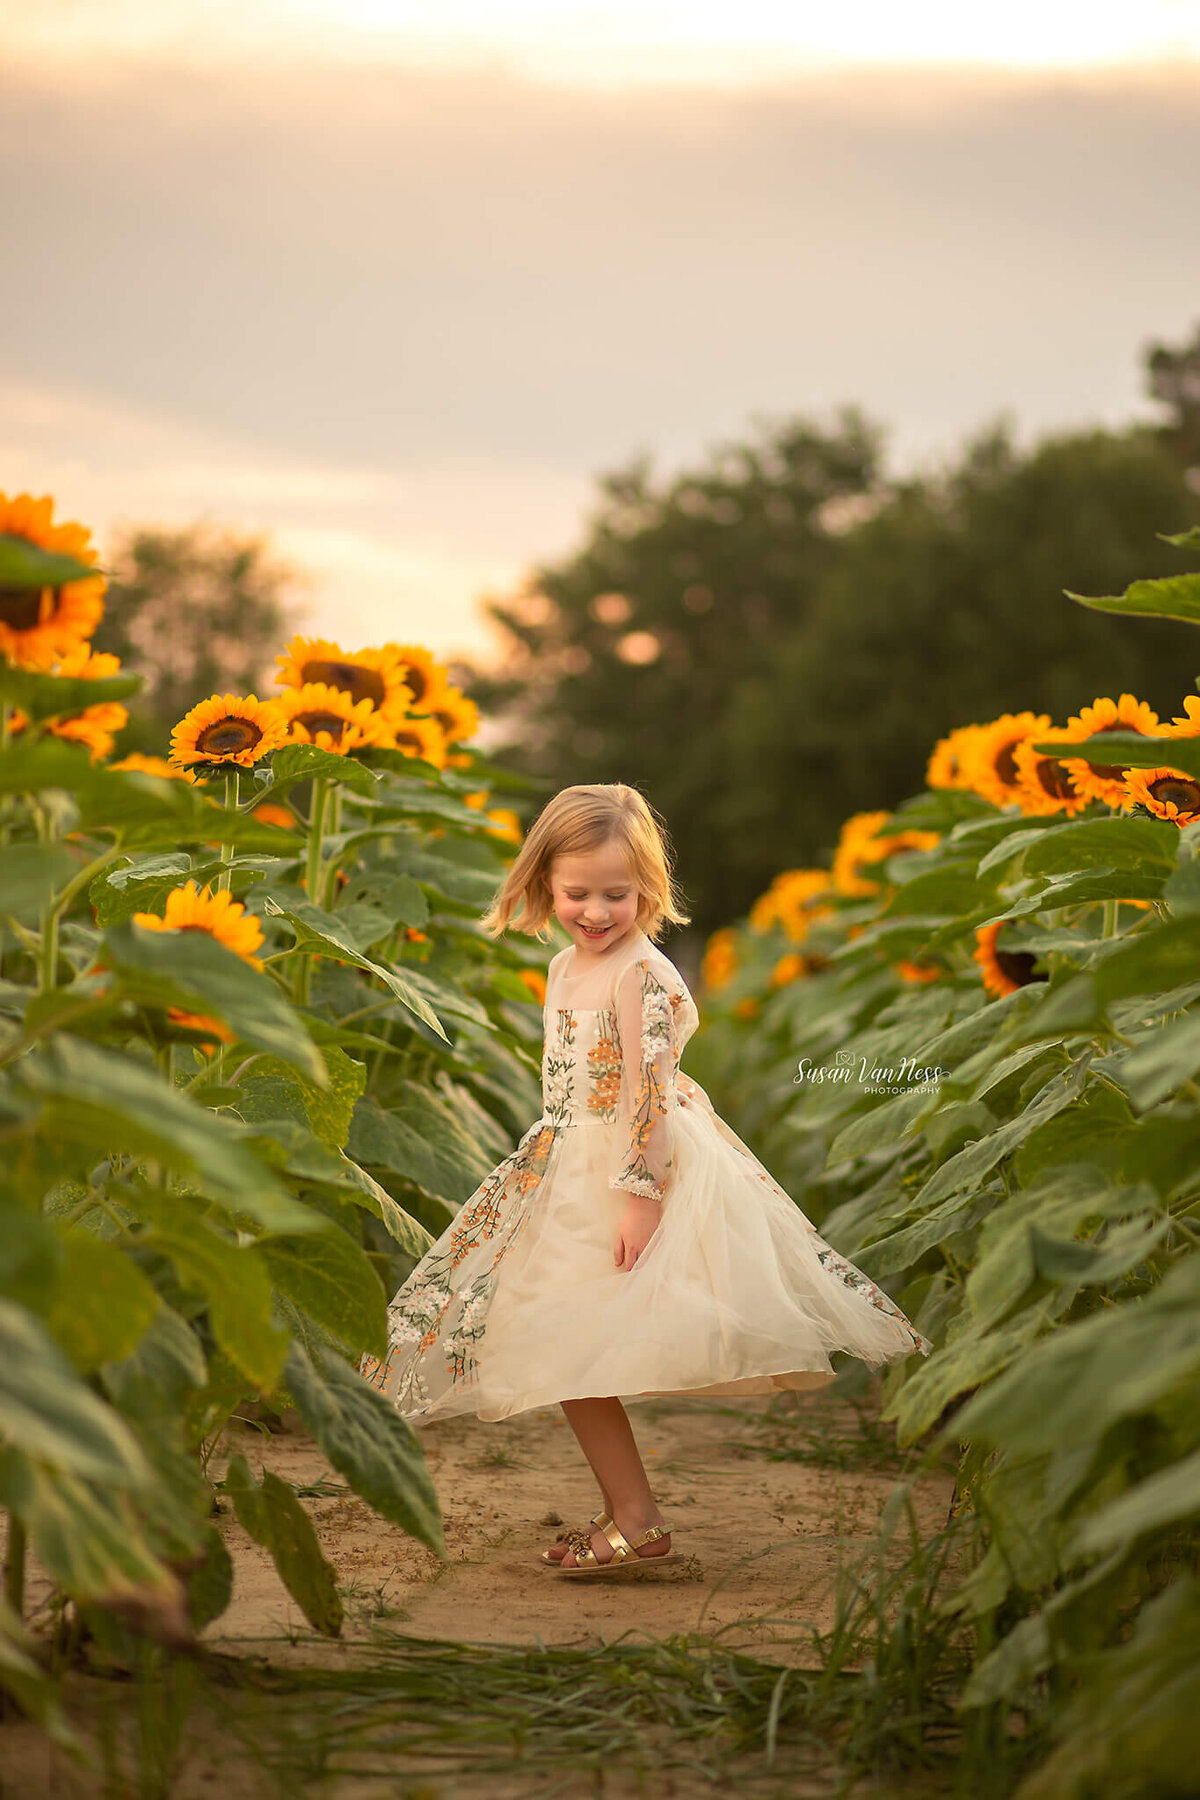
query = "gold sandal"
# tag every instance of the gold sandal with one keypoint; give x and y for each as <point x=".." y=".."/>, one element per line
<point x="601" y="1519"/>
<point x="625" y="1560"/>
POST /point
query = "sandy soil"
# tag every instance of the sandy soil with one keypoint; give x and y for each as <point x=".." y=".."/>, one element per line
<point x="764" y="1540"/>
<point x="764" y="1537"/>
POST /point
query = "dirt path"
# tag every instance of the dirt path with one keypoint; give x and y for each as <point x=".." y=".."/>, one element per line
<point x="765" y="1538"/>
<point x="765" y="1535"/>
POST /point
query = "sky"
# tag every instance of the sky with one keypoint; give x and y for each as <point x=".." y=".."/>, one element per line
<point x="394" y="282"/>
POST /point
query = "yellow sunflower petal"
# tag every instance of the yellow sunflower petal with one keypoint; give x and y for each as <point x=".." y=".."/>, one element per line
<point x="235" y="730"/>
<point x="37" y="624"/>
<point x="191" y="908"/>
<point x="1167" y="793"/>
<point x="330" y="718"/>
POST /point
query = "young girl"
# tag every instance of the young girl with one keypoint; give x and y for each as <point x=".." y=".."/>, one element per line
<point x="631" y="1244"/>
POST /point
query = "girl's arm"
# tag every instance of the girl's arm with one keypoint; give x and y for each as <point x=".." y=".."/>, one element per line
<point x="644" y="1139"/>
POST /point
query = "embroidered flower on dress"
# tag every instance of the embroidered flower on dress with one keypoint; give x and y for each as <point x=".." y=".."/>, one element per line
<point x="604" y="1076"/>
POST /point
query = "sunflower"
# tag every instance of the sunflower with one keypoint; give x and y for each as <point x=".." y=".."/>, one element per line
<point x="201" y="1022"/>
<point x="272" y="814"/>
<point x="425" y="676"/>
<point x="535" y="981"/>
<point x="419" y="737"/>
<point x="858" y="831"/>
<point x="39" y="623"/>
<point x="137" y="764"/>
<point x="989" y="757"/>
<point x="1045" y="784"/>
<point x="95" y="726"/>
<point x="790" y="967"/>
<point x="1106" y="781"/>
<point x="1189" y="725"/>
<point x="229" y="730"/>
<point x="861" y="843"/>
<point x="190" y="908"/>
<point x="1167" y="793"/>
<point x="1003" y="971"/>
<point x="505" y="825"/>
<point x="374" y="675"/>
<point x="328" y="717"/>
<point x="947" y="766"/>
<point x="917" y="973"/>
<point x="747" y="1008"/>
<point x="457" y="716"/>
<point x="793" y="901"/>
<point x="720" y="959"/>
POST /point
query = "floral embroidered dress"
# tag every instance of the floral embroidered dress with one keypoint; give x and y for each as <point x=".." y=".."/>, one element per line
<point x="518" y="1303"/>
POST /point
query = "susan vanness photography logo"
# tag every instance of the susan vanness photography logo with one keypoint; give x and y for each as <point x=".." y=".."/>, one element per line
<point x="905" y="1076"/>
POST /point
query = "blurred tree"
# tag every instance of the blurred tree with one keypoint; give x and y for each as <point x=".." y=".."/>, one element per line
<point x="776" y="639"/>
<point x="197" y="611"/>
<point x="627" y="658"/>
<point x="947" y="608"/>
<point x="1174" y="378"/>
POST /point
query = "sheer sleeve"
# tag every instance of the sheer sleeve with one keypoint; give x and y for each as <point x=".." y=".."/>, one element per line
<point x="644" y="1136"/>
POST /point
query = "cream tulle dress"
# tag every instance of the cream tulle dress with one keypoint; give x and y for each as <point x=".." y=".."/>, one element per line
<point x="518" y="1303"/>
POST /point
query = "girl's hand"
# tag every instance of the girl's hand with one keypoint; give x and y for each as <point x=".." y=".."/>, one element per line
<point x="635" y="1230"/>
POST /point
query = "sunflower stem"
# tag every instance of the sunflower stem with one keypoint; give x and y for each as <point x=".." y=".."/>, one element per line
<point x="48" y="953"/>
<point x="48" y="971"/>
<point x="1110" y="918"/>
<point x="333" y="824"/>
<point x="6" y="800"/>
<point x="225" y="878"/>
<point x="312" y="876"/>
<point x="14" y="1565"/>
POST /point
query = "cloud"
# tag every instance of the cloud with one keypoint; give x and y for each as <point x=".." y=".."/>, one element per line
<point x="404" y="554"/>
<point x="420" y="309"/>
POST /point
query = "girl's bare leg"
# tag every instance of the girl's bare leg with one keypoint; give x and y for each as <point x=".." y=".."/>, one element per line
<point x="605" y="1436"/>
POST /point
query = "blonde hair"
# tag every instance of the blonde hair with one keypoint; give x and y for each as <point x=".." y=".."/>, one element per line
<point x="576" y="821"/>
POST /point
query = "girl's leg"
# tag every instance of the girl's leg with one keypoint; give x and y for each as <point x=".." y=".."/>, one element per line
<point x="606" y="1438"/>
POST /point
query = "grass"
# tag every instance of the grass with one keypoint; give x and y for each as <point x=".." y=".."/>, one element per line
<point x="866" y="1708"/>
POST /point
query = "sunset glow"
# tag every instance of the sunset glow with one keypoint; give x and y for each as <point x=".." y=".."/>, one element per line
<point x="657" y="40"/>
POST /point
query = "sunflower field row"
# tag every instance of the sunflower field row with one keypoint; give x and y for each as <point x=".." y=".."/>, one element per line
<point x="972" y="1045"/>
<point x="253" y="1051"/>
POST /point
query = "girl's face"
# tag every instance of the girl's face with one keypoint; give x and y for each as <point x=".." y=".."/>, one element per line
<point x="595" y="897"/>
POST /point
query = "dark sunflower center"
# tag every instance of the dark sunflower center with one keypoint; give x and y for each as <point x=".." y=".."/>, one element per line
<point x="1172" y="790"/>
<point x="408" y="739"/>
<point x="1018" y="965"/>
<point x="1005" y="763"/>
<point x="415" y="679"/>
<point x="351" y="678"/>
<point x="1056" y="780"/>
<point x="1110" y="771"/>
<point x="322" y="721"/>
<point x="22" y="608"/>
<point x="226" y="737"/>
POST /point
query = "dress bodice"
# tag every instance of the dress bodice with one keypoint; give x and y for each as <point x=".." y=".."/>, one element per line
<point x="613" y="1038"/>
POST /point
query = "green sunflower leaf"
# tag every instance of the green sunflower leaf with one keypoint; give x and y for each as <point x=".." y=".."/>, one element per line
<point x="1169" y="597"/>
<point x="26" y="565"/>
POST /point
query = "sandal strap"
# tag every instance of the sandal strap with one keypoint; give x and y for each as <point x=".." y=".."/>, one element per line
<point x="623" y="1549"/>
<point x="600" y="1518"/>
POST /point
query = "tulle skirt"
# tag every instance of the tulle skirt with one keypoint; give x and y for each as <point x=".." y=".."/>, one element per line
<point x="735" y="1293"/>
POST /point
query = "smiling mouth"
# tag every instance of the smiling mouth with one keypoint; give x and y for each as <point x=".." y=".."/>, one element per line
<point x="589" y="932"/>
